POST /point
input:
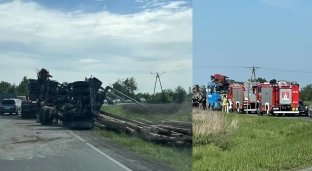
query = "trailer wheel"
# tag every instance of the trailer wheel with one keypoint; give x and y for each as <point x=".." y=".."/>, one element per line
<point x="24" y="115"/>
<point x="66" y="123"/>
<point x="46" y="119"/>
<point x="41" y="114"/>
<point x="81" y="91"/>
<point x="80" y="84"/>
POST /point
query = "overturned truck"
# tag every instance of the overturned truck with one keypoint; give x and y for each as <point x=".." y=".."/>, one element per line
<point x="75" y="105"/>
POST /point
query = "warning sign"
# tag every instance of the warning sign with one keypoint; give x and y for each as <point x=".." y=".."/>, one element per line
<point x="285" y="95"/>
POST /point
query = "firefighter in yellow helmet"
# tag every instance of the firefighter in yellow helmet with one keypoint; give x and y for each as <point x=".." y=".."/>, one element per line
<point x="224" y="103"/>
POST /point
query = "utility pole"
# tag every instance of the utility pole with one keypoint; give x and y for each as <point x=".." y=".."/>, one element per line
<point x="253" y="69"/>
<point x="157" y="75"/>
<point x="253" y="79"/>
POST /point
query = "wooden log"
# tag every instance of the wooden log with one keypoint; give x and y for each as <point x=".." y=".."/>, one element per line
<point x="157" y="137"/>
<point x="100" y="125"/>
<point x="179" y="130"/>
<point x="113" y="124"/>
<point x="176" y="123"/>
<point x="120" y="118"/>
<point x="146" y="121"/>
<point x="133" y="126"/>
<point x="131" y="131"/>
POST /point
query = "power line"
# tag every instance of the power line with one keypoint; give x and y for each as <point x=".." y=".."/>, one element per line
<point x="157" y="75"/>
<point x="179" y="70"/>
<point x="178" y="66"/>
<point x="171" y="78"/>
<point x="265" y="68"/>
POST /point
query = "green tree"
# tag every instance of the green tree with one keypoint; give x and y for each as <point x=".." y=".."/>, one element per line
<point x="259" y="79"/>
<point x="4" y="87"/>
<point x="12" y="89"/>
<point x="22" y="88"/>
<point x="127" y="86"/>
<point x="180" y="94"/>
<point x="306" y="93"/>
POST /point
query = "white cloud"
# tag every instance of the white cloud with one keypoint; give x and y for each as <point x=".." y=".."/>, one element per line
<point x="75" y="45"/>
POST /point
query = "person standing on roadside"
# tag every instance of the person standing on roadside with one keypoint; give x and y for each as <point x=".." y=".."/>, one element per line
<point x="224" y="103"/>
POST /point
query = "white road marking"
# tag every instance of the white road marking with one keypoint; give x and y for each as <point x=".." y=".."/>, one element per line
<point x="99" y="151"/>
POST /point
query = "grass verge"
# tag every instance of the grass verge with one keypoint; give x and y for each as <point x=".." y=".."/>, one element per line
<point x="177" y="112"/>
<point x="241" y="142"/>
<point x="179" y="159"/>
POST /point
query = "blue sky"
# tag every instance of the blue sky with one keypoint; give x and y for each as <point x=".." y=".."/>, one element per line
<point x="110" y="39"/>
<point x="273" y="34"/>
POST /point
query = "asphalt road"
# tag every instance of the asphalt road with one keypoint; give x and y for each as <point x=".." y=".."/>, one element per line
<point x="28" y="146"/>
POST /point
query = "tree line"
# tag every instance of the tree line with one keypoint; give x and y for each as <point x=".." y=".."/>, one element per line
<point x="129" y="87"/>
<point x="126" y="86"/>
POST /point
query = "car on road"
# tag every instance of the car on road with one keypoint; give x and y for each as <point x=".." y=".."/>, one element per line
<point x="111" y="102"/>
<point x="10" y="106"/>
<point x="303" y="109"/>
<point x="117" y="101"/>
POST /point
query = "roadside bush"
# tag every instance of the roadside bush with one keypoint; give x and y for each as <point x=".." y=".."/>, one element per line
<point x="171" y="108"/>
<point x="211" y="127"/>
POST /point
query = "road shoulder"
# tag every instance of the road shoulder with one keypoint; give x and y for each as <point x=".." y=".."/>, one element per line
<point x="124" y="156"/>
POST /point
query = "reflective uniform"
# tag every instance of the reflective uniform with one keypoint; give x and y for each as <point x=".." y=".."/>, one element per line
<point x="224" y="103"/>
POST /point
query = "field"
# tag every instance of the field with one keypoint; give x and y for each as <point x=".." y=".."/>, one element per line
<point x="179" y="159"/>
<point x="241" y="142"/>
<point x="177" y="112"/>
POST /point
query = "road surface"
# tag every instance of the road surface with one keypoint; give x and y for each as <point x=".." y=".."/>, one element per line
<point x="28" y="146"/>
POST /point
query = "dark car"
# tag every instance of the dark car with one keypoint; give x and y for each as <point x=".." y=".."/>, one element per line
<point x="111" y="102"/>
<point x="10" y="106"/>
<point x="303" y="109"/>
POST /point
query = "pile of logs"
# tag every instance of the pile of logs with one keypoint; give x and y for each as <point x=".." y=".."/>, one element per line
<point x="165" y="132"/>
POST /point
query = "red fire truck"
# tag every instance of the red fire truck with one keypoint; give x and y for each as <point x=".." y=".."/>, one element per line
<point x="235" y="97"/>
<point x="242" y="97"/>
<point x="279" y="97"/>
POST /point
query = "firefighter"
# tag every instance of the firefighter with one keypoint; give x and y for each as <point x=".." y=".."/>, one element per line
<point x="204" y="102"/>
<point x="224" y="103"/>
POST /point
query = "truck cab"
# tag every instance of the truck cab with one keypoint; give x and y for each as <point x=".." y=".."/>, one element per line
<point x="215" y="92"/>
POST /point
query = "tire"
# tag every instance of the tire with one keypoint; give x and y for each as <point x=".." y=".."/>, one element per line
<point x="24" y="115"/>
<point x="46" y="119"/>
<point x="81" y="91"/>
<point x="66" y="123"/>
<point x="80" y="84"/>
<point x="2" y="113"/>
<point x="41" y="114"/>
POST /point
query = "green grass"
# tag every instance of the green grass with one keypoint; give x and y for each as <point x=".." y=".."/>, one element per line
<point x="178" y="116"/>
<point x="178" y="159"/>
<point x="258" y="143"/>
